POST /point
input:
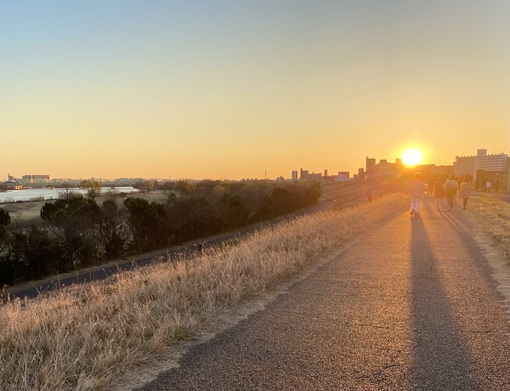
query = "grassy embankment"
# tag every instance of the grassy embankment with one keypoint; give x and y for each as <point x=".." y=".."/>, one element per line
<point x="87" y="337"/>
<point x="493" y="217"/>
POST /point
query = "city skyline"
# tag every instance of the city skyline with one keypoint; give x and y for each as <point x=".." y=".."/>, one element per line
<point x="246" y="90"/>
<point x="296" y="174"/>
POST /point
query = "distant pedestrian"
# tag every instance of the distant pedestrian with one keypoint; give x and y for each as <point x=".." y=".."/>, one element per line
<point x="496" y="184"/>
<point x="439" y="193"/>
<point x="368" y="194"/>
<point x="465" y="191"/>
<point x="416" y="192"/>
<point x="487" y="186"/>
<point x="450" y="188"/>
<point x="430" y="186"/>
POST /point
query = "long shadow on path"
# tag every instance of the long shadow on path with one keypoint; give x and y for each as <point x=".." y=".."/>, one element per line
<point x="440" y="361"/>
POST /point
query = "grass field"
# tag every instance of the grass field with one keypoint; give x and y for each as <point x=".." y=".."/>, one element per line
<point x="23" y="213"/>
<point x="88" y="337"/>
<point x="493" y="217"/>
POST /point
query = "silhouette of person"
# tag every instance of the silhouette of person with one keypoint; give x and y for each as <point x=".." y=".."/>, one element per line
<point x="496" y="184"/>
<point x="465" y="191"/>
<point x="416" y="192"/>
<point x="439" y="193"/>
<point x="368" y="194"/>
<point x="450" y="188"/>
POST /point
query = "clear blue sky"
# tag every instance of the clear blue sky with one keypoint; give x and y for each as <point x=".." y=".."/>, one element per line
<point x="234" y="89"/>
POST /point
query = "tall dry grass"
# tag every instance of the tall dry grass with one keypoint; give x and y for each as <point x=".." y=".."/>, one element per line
<point x="493" y="216"/>
<point x="86" y="337"/>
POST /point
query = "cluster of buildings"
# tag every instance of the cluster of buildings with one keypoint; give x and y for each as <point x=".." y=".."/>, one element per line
<point x="314" y="176"/>
<point x="13" y="183"/>
<point x="40" y="181"/>
<point x="480" y="168"/>
<point x="483" y="166"/>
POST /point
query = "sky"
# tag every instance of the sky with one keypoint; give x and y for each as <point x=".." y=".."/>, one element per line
<point x="248" y="88"/>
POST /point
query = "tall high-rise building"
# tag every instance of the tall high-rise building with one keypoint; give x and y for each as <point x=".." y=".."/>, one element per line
<point x="361" y="173"/>
<point x="369" y="166"/>
<point x="304" y="174"/>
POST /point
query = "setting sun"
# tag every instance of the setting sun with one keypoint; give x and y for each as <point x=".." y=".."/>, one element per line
<point x="412" y="157"/>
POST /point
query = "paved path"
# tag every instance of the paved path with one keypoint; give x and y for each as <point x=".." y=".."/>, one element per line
<point x="412" y="306"/>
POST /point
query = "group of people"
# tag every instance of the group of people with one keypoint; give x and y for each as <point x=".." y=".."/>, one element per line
<point x="442" y="189"/>
<point x="492" y="186"/>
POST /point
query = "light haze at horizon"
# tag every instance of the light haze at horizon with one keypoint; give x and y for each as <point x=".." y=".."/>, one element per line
<point x="165" y="89"/>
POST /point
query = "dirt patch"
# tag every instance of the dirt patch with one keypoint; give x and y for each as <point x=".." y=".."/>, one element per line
<point x="23" y="211"/>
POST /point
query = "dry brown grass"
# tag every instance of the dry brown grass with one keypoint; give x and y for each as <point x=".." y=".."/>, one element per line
<point x="85" y="338"/>
<point x="493" y="217"/>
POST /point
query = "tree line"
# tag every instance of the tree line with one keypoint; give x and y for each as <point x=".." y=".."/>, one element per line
<point x="79" y="232"/>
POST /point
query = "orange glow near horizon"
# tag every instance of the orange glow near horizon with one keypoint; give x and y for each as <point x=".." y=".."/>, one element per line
<point x="412" y="156"/>
<point x="207" y="91"/>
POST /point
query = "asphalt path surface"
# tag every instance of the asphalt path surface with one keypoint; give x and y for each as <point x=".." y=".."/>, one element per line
<point x="413" y="305"/>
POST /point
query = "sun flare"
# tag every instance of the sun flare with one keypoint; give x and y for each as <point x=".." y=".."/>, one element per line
<point x="412" y="157"/>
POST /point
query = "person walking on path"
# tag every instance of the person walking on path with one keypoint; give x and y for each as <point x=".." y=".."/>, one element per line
<point x="496" y="184"/>
<point x="465" y="191"/>
<point x="416" y="192"/>
<point x="450" y="188"/>
<point x="439" y="194"/>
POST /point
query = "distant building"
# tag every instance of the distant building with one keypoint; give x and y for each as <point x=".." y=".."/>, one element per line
<point x="361" y="174"/>
<point x="307" y="175"/>
<point x="342" y="176"/>
<point x="369" y="166"/>
<point x="35" y="178"/>
<point x="315" y="176"/>
<point x="469" y="165"/>
<point x="304" y="174"/>
<point x="294" y="175"/>
<point x="385" y="170"/>
<point x="12" y="185"/>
